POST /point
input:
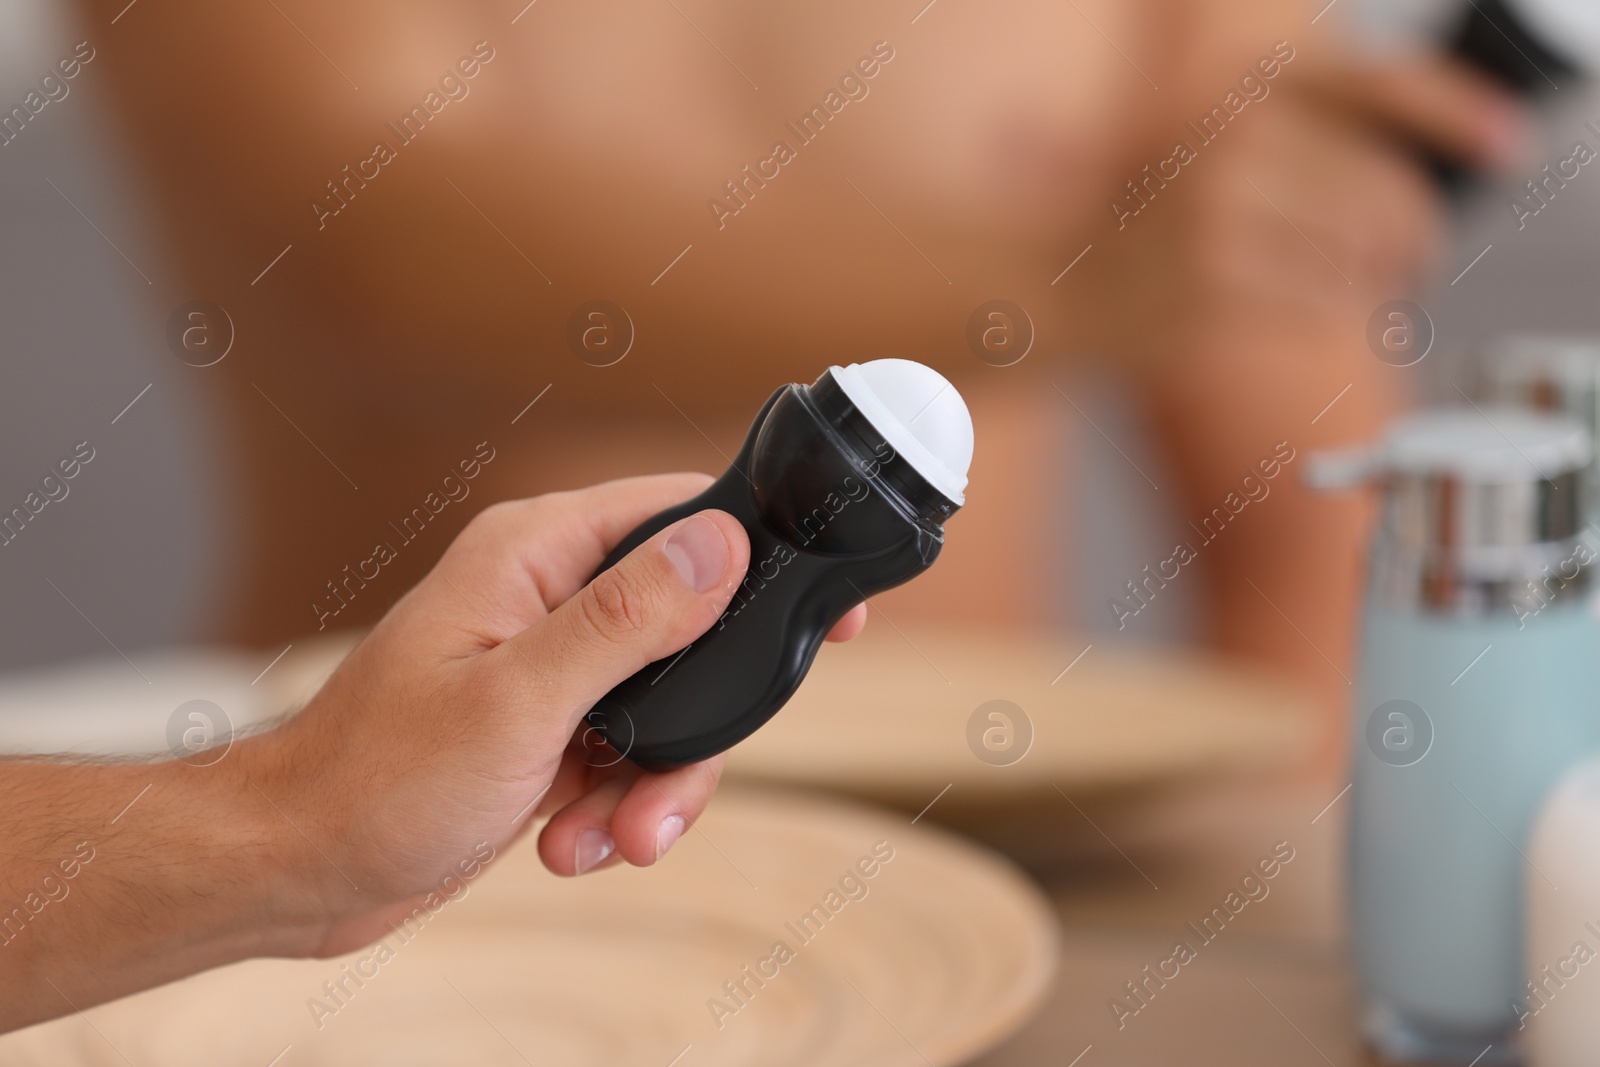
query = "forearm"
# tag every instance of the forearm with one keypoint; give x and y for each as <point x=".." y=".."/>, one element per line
<point x="115" y="877"/>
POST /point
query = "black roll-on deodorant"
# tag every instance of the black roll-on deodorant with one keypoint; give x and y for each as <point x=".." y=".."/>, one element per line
<point x="843" y="487"/>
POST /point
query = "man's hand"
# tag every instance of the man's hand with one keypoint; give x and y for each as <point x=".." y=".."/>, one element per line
<point x="447" y="729"/>
<point x="463" y="709"/>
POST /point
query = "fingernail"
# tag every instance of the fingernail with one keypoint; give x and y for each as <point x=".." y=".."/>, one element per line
<point x="699" y="551"/>
<point x="667" y="833"/>
<point x="593" y="846"/>
<point x="1510" y="137"/>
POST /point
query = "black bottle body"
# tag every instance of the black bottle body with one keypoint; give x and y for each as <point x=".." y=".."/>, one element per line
<point x="833" y="516"/>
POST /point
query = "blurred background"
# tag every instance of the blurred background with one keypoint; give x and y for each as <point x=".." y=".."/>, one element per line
<point x="277" y="337"/>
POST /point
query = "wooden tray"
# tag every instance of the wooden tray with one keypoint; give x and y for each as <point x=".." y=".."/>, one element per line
<point x="945" y="955"/>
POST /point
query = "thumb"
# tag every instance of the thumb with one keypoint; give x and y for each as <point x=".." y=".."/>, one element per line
<point x="652" y="603"/>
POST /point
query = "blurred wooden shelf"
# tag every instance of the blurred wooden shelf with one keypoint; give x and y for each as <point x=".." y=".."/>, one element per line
<point x="887" y="716"/>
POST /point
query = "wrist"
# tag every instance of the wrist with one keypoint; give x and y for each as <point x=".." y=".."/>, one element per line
<point x="285" y="841"/>
<point x="247" y="877"/>
<point x="123" y="876"/>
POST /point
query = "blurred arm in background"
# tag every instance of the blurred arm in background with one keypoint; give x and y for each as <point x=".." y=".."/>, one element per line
<point x="1242" y="296"/>
<point x="584" y="157"/>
